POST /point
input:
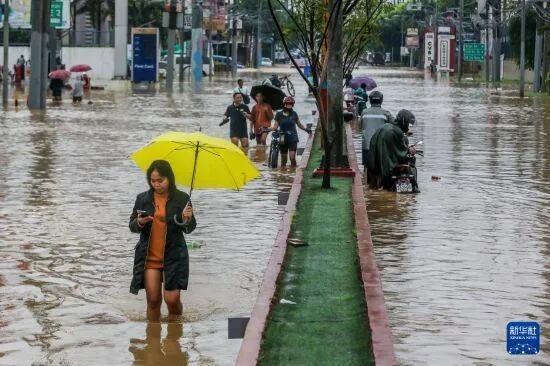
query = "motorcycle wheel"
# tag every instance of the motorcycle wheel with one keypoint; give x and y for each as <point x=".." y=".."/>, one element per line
<point x="290" y="88"/>
<point x="273" y="156"/>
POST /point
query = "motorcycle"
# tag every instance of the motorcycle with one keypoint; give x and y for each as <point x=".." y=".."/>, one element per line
<point x="404" y="178"/>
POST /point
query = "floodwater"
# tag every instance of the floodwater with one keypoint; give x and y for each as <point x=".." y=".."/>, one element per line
<point x="470" y="253"/>
<point x="66" y="253"/>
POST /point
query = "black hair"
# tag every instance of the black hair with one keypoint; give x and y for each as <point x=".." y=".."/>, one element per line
<point x="363" y="85"/>
<point x="165" y="170"/>
<point x="238" y="93"/>
<point x="240" y="81"/>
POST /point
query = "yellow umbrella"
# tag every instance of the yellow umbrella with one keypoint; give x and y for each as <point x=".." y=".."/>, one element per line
<point x="199" y="161"/>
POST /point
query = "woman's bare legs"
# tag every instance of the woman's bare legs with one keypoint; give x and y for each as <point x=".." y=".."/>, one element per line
<point x="173" y="302"/>
<point x="153" y="289"/>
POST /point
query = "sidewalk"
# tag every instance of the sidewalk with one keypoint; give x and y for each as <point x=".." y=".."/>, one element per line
<point x="328" y="324"/>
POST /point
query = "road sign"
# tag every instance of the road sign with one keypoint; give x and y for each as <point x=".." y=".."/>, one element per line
<point x="474" y="52"/>
<point x="56" y="14"/>
<point x="145" y="54"/>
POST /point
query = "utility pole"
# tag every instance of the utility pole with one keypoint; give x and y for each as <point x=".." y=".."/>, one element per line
<point x="40" y="19"/>
<point x="182" y="44"/>
<point x="172" y="23"/>
<point x="496" y="42"/>
<point x="538" y="51"/>
<point x="460" y="40"/>
<point x="196" y="41"/>
<point x="234" y="48"/>
<point x="210" y="47"/>
<point x="121" y="38"/>
<point x="6" y="44"/>
<point x="259" y="36"/>
<point x="487" y="63"/>
<point x="411" y="61"/>
<point x="522" y="53"/>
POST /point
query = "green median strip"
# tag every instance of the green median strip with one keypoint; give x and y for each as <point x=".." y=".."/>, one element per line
<point x="320" y="317"/>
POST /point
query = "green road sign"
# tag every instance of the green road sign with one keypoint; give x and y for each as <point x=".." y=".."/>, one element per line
<point x="56" y="14"/>
<point x="474" y="52"/>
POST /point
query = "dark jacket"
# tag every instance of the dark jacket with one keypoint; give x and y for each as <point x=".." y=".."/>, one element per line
<point x="176" y="259"/>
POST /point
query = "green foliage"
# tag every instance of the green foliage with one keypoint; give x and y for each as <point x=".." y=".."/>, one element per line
<point x="530" y="33"/>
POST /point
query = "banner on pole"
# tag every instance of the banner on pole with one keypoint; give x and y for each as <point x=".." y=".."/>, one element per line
<point x="429" y="49"/>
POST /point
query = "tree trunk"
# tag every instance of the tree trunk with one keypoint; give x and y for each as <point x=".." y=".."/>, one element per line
<point x="546" y="62"/>
<point x="334" y="77"/>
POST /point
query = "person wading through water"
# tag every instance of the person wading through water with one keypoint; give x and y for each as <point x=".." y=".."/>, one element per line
<point x="161" y="216"/>
<point x="237" y="114"/>
<point x="261" y="114"/>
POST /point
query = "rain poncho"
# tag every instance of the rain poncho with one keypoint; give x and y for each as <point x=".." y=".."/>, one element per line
<point x="388" y="147"/>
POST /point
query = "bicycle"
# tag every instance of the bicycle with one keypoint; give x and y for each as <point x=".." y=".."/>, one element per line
<point x="285" y="82"/>
<point x="273" y="159"/>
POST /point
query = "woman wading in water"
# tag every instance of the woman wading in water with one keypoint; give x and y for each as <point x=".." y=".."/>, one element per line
<point x="161" y="216"/>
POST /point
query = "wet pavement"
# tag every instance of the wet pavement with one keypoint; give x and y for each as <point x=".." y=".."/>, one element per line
<point x="470" y="253"/>
<point x="66" y="192"/>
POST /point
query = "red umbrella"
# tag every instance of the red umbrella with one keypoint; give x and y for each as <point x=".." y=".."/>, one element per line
<point x="80" y="68"/>
<point x="60" y="74"/>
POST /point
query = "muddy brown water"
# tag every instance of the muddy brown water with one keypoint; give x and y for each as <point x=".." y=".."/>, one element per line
<point x="470" y="253"/>
<point x="66" y="192"/>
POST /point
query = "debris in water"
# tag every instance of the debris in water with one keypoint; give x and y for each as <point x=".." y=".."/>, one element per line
<point x="435" y="177"/>
<point x="288" y="302"/>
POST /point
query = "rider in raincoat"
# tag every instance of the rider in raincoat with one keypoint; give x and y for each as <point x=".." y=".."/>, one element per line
<point x="389" y="147"/>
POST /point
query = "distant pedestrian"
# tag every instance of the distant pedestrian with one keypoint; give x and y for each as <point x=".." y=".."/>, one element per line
<point x="237" y="114"/>
<point x="161" y="215"/>
<point x="262" y="115"/>
<point x="56" y="86"/>
<point x="21" y="64"/>
<point x="287" y="120"/>
<point x="78" y="89"/>
<point x="243" y="90"/>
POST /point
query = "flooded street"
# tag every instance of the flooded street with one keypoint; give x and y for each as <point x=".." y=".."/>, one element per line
<point x="470" y="253"/>
<point x="66" y="254"/>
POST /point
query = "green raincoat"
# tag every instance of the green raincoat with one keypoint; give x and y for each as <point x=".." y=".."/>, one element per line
<point x="388" y="148"/>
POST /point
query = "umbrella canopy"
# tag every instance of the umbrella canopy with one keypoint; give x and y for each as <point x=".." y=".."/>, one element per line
<point x="80" y="68"/>
<point x="60" y="74"/>
<point x="272" y="95"/>
<point x="198" y="160"/>
<point x="356" y="82"/>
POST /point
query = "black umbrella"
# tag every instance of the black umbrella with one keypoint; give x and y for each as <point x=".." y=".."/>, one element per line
<point x="272" y="95"/>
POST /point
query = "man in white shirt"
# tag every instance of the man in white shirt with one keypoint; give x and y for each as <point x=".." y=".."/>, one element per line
<point x="243" y="90"/>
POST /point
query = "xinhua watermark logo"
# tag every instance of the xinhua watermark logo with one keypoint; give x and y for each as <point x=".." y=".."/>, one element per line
<point x="523" y="338"/>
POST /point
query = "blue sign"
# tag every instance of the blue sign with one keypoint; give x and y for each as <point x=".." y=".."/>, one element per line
<point x="523" y="338"/>
<point x="144" y="60"/>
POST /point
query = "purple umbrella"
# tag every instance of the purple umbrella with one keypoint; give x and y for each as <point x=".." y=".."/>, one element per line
<point x="356" y="82"/>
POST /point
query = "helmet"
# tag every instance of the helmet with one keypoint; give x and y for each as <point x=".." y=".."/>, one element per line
<point x="403" y="119"/>
<point x="288" y="99"/>
<point x="376" y="97"/>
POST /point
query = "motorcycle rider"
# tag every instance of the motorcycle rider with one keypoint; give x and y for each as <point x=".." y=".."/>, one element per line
<point x="389" y="147"/>
<point x="371" y="120"/>
<point x="363" y="97"/>
<point x="287" y="121"/>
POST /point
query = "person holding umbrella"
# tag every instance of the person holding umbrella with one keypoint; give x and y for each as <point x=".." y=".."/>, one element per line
<point x="161" y="215"/>
<point x="57" y="82"/>
<point x="260" y="120"/>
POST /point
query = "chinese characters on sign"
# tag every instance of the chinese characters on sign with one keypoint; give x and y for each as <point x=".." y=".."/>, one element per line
<point x="523" y="338"/>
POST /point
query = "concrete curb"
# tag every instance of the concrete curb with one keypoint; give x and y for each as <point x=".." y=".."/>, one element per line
<point x="250" y="347"/>
<point x="382" y="339"/>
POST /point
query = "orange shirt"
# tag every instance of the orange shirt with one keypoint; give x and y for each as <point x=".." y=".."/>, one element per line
<point x="157" y="241"/>
<point x="262" y="114"/>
